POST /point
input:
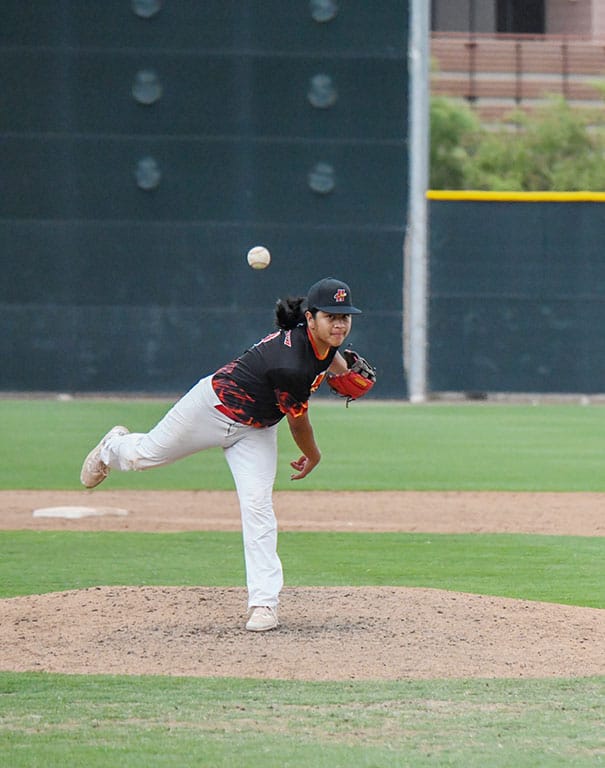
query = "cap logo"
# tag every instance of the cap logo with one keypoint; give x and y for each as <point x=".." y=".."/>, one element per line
<point x="340" y="295"/>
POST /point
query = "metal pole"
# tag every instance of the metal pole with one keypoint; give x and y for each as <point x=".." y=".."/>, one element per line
<point x="415" y="249"/>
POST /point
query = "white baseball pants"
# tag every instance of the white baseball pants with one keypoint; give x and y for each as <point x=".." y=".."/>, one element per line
<point x="194" y="424"/>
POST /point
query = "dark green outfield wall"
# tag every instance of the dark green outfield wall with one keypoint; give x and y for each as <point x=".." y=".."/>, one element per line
<point x="112" y="283"/>
<point x="517" y="296"/>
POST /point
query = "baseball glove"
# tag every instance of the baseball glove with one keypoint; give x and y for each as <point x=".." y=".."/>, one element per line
<point x="357" y="381"/>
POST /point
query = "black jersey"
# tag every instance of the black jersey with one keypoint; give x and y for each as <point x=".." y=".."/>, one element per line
<point x="274" y="377"/>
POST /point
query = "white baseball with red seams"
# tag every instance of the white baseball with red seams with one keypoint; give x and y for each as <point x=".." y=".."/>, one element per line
<point x="259" y="257"/>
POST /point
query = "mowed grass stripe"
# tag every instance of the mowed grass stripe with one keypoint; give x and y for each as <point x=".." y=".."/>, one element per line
<point x="559" y="569"/>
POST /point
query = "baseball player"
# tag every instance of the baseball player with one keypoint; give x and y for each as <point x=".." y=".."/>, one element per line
<point x="239" y="407"/>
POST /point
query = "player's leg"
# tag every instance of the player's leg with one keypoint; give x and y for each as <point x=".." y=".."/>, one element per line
<point x="253" y="463"/>
<point x="191" y="425"/>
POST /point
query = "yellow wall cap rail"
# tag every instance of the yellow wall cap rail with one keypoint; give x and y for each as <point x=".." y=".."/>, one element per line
<point x="516" y="197"/>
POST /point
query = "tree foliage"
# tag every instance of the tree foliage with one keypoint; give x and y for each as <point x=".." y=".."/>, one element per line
<point x="454" y="128"/>
<point x="557" y="147"/>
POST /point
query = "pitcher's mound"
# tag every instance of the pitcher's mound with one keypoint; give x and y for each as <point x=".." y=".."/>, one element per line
<point x="326" y="633"/>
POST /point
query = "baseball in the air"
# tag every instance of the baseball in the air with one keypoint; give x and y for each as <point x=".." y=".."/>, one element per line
<point x="259" y="257"/>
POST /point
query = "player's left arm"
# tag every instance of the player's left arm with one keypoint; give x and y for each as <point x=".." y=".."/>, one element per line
<point x="302" y="433"/>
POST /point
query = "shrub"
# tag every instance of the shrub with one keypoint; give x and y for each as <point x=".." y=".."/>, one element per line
<point x="558" y="147"/>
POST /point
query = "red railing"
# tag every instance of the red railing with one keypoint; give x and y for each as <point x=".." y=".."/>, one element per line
<point x="496" y="73"/>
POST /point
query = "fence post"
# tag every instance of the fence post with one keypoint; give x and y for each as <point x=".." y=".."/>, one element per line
<point x="415" y="249"/>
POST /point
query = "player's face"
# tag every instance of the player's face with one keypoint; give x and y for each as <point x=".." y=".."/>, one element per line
<point x="327" y="329"/>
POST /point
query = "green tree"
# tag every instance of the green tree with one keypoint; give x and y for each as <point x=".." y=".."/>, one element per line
<point x="454" y="131"/>
<point x="564" y="148"/>
<point x="558" y="147"/>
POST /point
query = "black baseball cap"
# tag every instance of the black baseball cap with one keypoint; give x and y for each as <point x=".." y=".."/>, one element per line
<point x="332" y="296"/>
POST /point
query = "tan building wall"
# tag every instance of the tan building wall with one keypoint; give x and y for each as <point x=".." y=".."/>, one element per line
<point x="562" y="17"/>
<point x="454" y="15"/>
<point x="570" y="17"/>
<point x="598" y="18"/>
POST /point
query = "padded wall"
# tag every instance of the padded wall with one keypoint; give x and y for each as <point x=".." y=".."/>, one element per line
<point x="145" y="146"/>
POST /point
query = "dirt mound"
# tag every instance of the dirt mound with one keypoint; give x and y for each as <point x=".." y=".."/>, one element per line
<point x="325" y="634"/>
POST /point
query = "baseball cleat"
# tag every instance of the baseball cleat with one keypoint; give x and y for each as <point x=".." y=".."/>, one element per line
<point x="262" y="618"/>
<point x="94" y="471"/>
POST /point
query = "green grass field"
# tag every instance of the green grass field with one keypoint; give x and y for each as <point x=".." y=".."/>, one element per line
<point x="365" y="447"/>
<point x="57" y="720"/>
<point x="557" y="569"/>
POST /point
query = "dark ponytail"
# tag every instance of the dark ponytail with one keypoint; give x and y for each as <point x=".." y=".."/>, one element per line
<point x="289" y="313"/>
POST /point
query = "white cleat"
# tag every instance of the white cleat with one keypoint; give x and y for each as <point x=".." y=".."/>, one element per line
<point x="262" y="618"/>
<point x="94" y="471"/>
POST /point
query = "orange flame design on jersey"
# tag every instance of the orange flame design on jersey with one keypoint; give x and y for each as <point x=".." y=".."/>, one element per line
<point x="317" y="381"/>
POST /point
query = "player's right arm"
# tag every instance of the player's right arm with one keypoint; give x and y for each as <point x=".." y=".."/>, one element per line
<point x="302" y="433"/>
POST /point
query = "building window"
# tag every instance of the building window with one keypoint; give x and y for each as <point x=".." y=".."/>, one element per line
<point x="520" y="16"/>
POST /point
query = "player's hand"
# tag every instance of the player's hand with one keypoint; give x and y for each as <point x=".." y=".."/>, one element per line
<point x="303" y="466"/>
